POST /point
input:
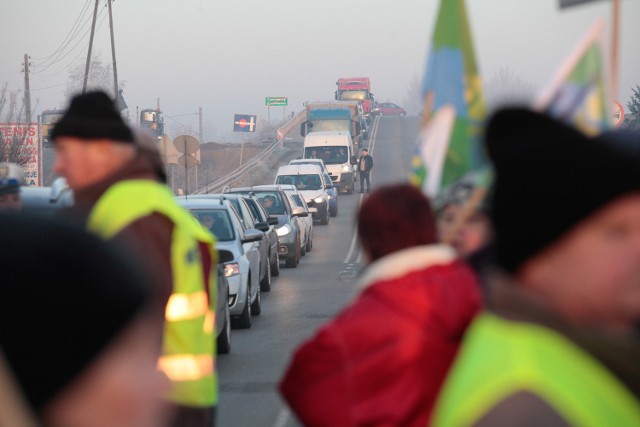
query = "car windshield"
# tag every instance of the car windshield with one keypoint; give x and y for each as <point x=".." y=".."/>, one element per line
<point x="272" y="202"/>
<point x="331" y="155"/>
<point x="302" y="182"/>
<point x="354" y="95"/>
<point x="217" y="221"/>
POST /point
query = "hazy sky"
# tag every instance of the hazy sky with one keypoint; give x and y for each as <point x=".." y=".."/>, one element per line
<point x="227" y="56"/>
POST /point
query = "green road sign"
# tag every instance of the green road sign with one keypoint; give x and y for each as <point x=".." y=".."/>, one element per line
<point x="276" y="101"/>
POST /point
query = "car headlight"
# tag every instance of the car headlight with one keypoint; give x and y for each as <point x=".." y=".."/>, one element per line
<point x="284" y="230"/>
<point x="346" y="168"/>
<point x="231" y="269"/>
<point x="319" y="199"/>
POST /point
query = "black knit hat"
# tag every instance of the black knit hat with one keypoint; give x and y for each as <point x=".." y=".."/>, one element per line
<point x="64" y="295"/>
<point x="548" y="178"/>
<point x="93" y="116"/>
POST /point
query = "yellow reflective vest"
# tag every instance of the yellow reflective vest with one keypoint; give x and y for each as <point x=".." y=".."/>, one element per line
<point x="501" y="357"/>
<point x="189" y="343"/>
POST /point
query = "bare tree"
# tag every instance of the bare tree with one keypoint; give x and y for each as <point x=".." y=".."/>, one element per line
<point x="412" y="100"/>
<point x="100" y="78"/>
<point x="14" y="146"/>
<point x="506" y="88"/>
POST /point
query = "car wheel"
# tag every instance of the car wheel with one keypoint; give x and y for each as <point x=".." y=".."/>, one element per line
<point x="310" y="243"/>
<point x="256" y="307"/>
<point x="295" y="259"/>
<point x="265" y="283"/>
<point x="244" y="321"/>
<point x="275" y="267"/>
<point x="325" y="218"/>
<point x="303" y="249"/>
<point x="223" y="343"/>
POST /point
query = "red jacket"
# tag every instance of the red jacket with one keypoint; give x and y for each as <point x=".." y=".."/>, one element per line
<point x="382" y="360"/>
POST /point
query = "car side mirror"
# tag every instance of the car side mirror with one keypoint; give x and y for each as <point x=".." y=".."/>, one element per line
<point x="252" y="235"/>
<point x="298" y="211"/>
<point x="224" y="256"/>
<point x="272" y="220"/>
<point x="262" y="226"/>
<point x="354" y="160"/>
<point x="313" y="210"/>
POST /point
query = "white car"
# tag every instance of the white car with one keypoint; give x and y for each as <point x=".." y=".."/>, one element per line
<point x="332" y="191"/>
<point x="306" y="223"/>
<point x="243" y="273"/>
<point x="309" y="180"/>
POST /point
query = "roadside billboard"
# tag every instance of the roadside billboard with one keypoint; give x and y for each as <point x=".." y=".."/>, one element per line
<point x="20" y="143"/>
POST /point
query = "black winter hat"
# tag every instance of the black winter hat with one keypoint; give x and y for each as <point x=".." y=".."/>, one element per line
<point x="64" y="295"/>
<point x="93" y="116"/>
<point x="548" y="178"/>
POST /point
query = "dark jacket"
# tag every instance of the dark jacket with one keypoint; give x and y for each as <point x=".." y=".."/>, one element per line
<point x="382" y="360"/>
<point x="368" y="163"/>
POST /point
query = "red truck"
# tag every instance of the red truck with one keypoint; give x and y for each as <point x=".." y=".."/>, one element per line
<point x="356" y="89"/>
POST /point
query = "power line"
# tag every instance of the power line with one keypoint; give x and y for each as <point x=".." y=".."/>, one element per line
<point x="62" y="56"/>
<point x="72" y="30"/>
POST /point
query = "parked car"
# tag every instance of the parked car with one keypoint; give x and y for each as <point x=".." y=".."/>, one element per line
<point x="46" y="200"/>
<point x="249" y="221"/>
<point x="223" y="313"/>
<point x="332" y="191"/>
<point x="275" y="201"/>
<point x="243" y="271"/>
<point x="389" y="109"/>
<point x="306" y="228"/>
<point x="309" y="181"/>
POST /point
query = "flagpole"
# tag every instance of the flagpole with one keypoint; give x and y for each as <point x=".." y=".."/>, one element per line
<point x="615" y="27"/>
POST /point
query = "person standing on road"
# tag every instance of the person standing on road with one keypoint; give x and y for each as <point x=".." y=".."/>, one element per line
<point x="381" y="361"/>
<point x="365" y="164"/>
<point x="119" y="196"/>
<point x="558" y="344"/>
<point x="10" y="181"/>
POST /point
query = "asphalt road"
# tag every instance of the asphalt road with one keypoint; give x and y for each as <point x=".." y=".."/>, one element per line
<point x="304" y="298"/>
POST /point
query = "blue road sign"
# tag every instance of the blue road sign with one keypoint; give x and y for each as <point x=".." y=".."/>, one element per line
<point x="244" y="123"/>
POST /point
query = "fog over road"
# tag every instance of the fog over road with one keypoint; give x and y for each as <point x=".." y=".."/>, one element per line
<point x="303" y="298"/>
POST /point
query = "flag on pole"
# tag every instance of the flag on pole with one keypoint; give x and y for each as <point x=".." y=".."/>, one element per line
<point x="578" y="93"/>
<point x="451" y="84"/>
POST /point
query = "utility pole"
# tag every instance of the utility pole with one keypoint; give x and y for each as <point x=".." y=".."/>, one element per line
<point x="27" y="93"/>
<point x="93" y="30"/>
<point x="113" y="52"/>
<point x="200" y="117"/>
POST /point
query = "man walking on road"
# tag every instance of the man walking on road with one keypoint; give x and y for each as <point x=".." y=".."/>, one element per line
<point x="365" y="164"/>
<point x="120" y="196"/>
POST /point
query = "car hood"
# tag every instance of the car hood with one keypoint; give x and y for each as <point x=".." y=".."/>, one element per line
<point x="311" y="194"/>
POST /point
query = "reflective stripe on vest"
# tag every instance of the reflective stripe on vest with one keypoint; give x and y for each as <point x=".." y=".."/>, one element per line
<point x="188" y="343"/>
<point x="500" y="357"/>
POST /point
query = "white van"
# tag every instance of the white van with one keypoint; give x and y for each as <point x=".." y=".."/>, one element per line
<point x="309" y="182"/>
<point x="337" y="151"/>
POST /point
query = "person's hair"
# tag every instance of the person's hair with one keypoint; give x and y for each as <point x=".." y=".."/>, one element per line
<point x="393" y="218"/>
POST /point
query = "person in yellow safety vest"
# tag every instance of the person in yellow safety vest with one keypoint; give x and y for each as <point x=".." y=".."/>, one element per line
<point x="558" y="344"/>
<point x="120" y="195"/>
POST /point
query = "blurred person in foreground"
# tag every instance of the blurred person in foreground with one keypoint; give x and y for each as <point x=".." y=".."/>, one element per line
<point x="471" y="236"/>
<point x="11" y="176"/>
<point x="556" y="346"/>
<point x="76" y="332"/>
<point x="120" y="195"/>
<point x="382" y="360"/>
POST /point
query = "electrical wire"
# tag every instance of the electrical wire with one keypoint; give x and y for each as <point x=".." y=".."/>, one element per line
<point x="100" y="15"/>
<point x="86" y="27"/>
<point x="70" y="35"/>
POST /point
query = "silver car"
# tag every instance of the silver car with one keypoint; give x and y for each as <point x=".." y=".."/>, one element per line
<point x="243" y="272"/>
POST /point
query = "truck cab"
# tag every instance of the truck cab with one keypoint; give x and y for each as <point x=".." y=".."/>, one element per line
<point x="356" y="89"/>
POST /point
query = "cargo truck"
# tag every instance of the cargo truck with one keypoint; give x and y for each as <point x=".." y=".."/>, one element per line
<point x="336" y="116"/>
<point x="356" y="89"/>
